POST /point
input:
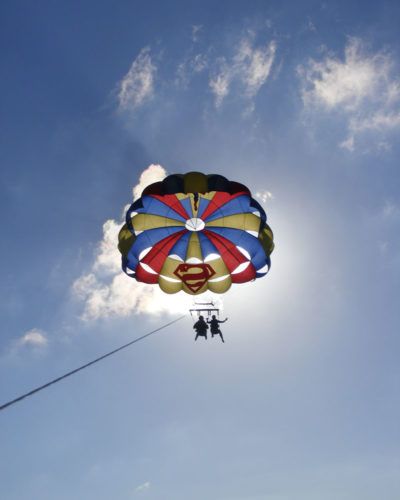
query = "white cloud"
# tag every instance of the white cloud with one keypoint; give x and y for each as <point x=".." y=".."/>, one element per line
<point x="190" y="66"/>
<point x="220" y="83"/>
<point x="196" y="30"/>
<point x="33" y="338"/>
<point x="250" y="67"/>
<point x="348" y="143"/>
<point x="137" y="86"/>
<point x="106" y="291"/>
<point x="108" y="256"/>
<point x="198" y="63"/>
<point x="390" y="211"/>
<point x="264" y="195"/>
<point x="362" y="86"/>
<point x="123" y="296"/>
<point x="153" y="173"/>
<point x="310" y="26"/>
<point x="380" y="120"/>
<point x="333" y="82"/>
<point x="143" y="487"/>
<point x="254" y="65"/>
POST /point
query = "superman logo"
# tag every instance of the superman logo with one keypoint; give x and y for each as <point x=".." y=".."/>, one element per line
<point x="195" y="276"/>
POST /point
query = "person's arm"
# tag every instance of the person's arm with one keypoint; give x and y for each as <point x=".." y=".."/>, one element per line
<point x="226" y="319"/>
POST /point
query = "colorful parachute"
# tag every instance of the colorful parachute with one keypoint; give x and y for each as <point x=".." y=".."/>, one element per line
<point x="195" y="232"/>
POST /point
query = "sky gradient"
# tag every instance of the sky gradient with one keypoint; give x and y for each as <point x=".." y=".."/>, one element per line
<point x="300" y="101"/>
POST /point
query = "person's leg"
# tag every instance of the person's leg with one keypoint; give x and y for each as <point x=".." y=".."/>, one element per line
<point x="222" y="338"/>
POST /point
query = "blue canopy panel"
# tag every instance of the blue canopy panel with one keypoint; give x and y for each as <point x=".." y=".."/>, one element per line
<point x="262" y="271"/>
<point x="180" y="247"/>
<point x="148" y="239"/>
<point x="129" y="266"/>
<point x="151" y="206"/>
<point x="203" y="204"/>
<point x="187" y="206"/>
<point x="246" y="241"/>
<point x="206" y="246"/>
<point x="238" y="205"/>
<point x="254" y="205"/>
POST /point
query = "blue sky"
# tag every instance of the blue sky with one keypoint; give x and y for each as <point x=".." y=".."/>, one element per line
<point x="301" y="102"/>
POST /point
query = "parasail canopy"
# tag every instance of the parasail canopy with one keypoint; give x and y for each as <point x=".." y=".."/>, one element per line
<point x="195" y="232"/>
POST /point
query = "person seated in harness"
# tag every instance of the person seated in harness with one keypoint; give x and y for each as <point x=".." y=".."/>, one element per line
<point x="214" y="323"/>
<point x="201" y="328"/>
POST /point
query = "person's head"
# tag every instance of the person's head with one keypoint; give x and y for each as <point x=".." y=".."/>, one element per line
<point x="201" y="318"/>
<point x="213" y="316"/>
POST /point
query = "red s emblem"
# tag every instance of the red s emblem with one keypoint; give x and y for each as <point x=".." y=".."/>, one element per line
<point x="194" y="275"/>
